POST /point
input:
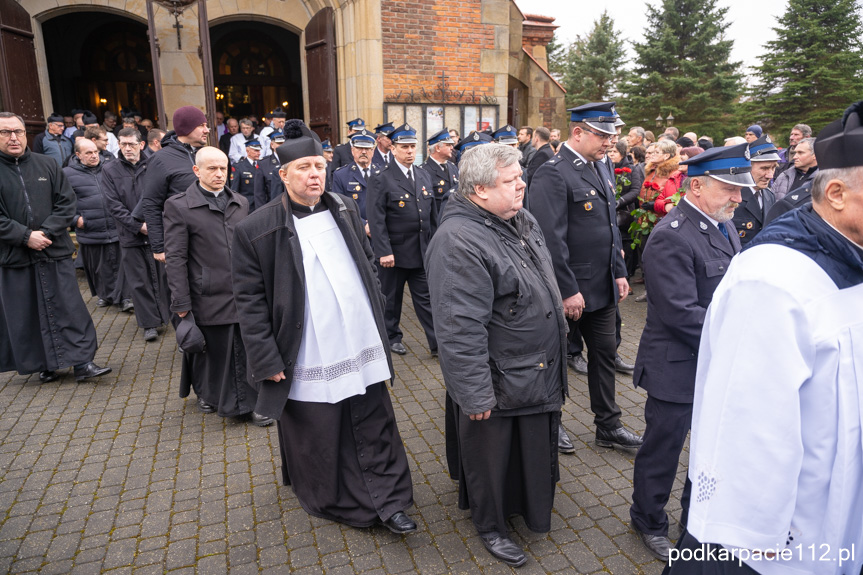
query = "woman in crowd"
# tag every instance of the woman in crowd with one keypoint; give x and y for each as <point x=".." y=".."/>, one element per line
<point x="628" y="178"/>
<point x="662" y="204"/>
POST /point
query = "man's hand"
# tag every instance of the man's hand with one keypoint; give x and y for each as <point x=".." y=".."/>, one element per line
<point x="622" y="288"/>
<point x="80" y="222"/>
<point x="159" y="257"/>
<point x="182" y="314"/>
<point x="368" y="231"/>
<point x="388" y="261"/>
<point x="573" y="306"/>
<point x="278" y="377"/>
<point x="480" y="416"/>
<point x="38" y="241"/>
<point x="143" y="229"/>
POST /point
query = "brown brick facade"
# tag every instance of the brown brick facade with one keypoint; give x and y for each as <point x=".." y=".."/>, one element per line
<point x="423" y="39"/>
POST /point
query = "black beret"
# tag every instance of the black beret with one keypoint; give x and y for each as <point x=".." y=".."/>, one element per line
<point x="189" y="337"/>
<point x="55" y="117"/>
<point x="300" y="142"/>
<point x="840" y="144"/>
<point x="89" y="118"/>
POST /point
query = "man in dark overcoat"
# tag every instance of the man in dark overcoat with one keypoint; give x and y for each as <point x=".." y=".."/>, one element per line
<point x="44" y="324"/>
<point x="402" y="218"/>
<point x="199" y="229"/>
<point x="311" y="314"/>
<point x="685" y="258"/>
<point x="572" y="198"/>
<point x="144" y="277"/>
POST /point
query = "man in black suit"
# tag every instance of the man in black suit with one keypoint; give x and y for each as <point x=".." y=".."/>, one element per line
<point x="402" y="218"/>
<point x="757" y="200"/>
<point x="342" y="153"/>
<point x="686" y="257"/>
<point x="248" y="174"/>
<point x="573" y="201"/>
<point x="444" y="174"/>
<point x="541" y="138"/>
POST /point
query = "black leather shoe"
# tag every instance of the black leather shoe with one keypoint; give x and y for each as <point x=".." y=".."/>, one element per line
<point x="102" y="303"/>
<point x="48" y="375"/>
<point x="564" y="443"/>
<point x="90" y="370"/>
<point x="127" y="306"/>
<point x="261" y="420"/>
<point x="205" y="407"/>
<point x="621" y="437"/>
<point x="503" y="548"/>
<point x="578" y="364"/>
<point x="622" y="366"/>
<point x="399" y="348"/>
<point x="150" y="334"/>
<point x="658" y="545"/>
<point x="400" y="523"/>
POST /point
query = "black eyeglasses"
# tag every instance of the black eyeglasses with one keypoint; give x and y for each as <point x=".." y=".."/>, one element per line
<point x="605" y="137"/>
<point x="8" y="133"/>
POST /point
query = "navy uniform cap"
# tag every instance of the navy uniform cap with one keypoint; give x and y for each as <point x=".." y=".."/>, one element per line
<point x="363" y="139"/>
<point x="253" y="144"/>
<point x="840" y="144"/>
<point x="473" y="139"/>
<point x="505" y="135"/>
<point x="277" y="136"/>
<point x="327" y="146"/>
<point x="598" y="115"/>
<point x="763" y="150"/>
<point x="440" y="137"/>
<point x="357" y="124"/>
<point x="385" y="129"/>
<point x="404" y="134"/>
<point x="729" y="164"/>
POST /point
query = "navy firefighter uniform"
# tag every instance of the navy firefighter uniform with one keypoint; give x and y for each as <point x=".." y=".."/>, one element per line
<point x="751" y="215"/>
<point x="444" y="176"/>
<point x="352" y="180"/>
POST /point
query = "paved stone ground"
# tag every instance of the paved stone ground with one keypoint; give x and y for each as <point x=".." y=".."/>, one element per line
<point x="122" y="476"/>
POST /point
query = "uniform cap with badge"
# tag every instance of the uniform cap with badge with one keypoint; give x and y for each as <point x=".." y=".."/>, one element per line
<point x="473" y="139"/>
<point x="363" y="139"/>
<point x="729" y="164"/>
<point x="505" y="135"/>
<point x="384" y="129"/>
<point x="357" y="124"/>
<point x="326" y="146"/>
<point x="763" y="150"/>
<point x="277" y="136"/>
<point x="404" y="134"/>
<point x="600" y="116"/>
<point x="441" y="137"/>
<point x="254" y="144"/>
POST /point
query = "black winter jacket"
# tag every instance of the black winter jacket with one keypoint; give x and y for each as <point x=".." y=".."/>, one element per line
<point x="89" y="186"/>
<point x="123" y="184"/>
<point x="34" y="195"/>
<point x="169" y="173"/>
<point x="498" y="315"/>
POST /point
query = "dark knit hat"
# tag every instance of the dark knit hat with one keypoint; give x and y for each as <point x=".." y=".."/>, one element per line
<point x="685" y="142"/>
<point x="55" y="117"/>
<point x="186" y="119"/>
<point x="840" y="144"/>
<point x="300" y="142"/>
<point x="89" y="118"/>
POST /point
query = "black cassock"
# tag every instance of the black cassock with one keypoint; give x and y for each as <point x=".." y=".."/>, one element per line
<point x="147" y="283"/>
<point x="44" y="324"/>
<point x="101" y="263"/>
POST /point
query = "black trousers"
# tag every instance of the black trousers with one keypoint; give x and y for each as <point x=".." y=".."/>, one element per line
<point x="393" y="285"/>
<point x="147" y="283"/>
<point x="656" y="464"/>
<point x="597" y="328"/>
<point x="575" y="341"/>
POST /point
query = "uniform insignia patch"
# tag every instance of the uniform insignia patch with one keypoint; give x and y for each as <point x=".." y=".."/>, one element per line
<point x="401" y="204"/>
<point x="588" y="206"/>
<point x="441" y="183"/>
<point x="674" y="224"/>
<point x="455" y="179"/>
<point x="425" y="193"/>
<point x="748" y="225"/>
<point x="592" y="192"/>
<point x="358" y="188"/>
<point x="247" y="181"/>
<point x="742" y="233"/>
<point x="703" y="226"/>
<point x="794" y="197"/>
<point x="356" y="196"/>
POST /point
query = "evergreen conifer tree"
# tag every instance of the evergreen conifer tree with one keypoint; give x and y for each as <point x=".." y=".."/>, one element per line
<point x="812" y="71"/>
<point x="682" y="67"/>
<point x="594" y="65"/>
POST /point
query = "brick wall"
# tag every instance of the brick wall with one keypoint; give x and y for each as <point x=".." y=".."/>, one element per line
<point x="423" y="38"/>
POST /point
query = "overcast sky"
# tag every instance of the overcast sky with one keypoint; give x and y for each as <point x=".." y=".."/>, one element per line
<point x="749" y="23"/>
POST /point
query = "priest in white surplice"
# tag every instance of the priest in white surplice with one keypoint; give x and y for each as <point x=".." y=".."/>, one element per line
<point x="311" y="313"/>
<point x="776" y="454"/>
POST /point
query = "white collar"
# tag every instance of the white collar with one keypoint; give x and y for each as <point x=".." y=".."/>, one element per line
<point x="712" y="221"/>
<point x="574" y="152"/>
<point x="402" y="168"/>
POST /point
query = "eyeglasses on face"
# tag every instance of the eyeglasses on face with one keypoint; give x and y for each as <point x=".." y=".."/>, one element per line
<point x="604" y="137"/>
<point x="19" y="133"/>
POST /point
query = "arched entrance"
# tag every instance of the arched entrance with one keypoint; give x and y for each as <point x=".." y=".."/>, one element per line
<point x="99" y="61"/>
<point x="256" y="68"/>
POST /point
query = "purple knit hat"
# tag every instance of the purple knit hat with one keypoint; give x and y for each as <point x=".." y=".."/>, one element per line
<point x="186" y="119"/>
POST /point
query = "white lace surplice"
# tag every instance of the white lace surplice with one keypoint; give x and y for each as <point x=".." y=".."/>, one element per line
<point x="341" y="352"/>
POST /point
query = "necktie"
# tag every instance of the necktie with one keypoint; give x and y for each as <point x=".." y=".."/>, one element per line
<point x="410" y="179"/>
<point x="387" y="159"/>
<point x="724" y="231"/>
<point x="256" y="165"/>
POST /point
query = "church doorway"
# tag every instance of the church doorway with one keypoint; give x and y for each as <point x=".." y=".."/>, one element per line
<point x="99" y="61"/>
<point x="256" y="68"/>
